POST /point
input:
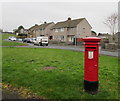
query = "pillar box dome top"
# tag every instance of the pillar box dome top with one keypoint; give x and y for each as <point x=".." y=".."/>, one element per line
<point x="91" y="39"/>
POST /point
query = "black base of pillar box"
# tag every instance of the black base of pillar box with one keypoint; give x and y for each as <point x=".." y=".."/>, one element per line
<point x="91" y="87"/>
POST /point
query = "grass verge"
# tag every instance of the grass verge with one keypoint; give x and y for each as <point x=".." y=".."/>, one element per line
<point x="23" y="67"/>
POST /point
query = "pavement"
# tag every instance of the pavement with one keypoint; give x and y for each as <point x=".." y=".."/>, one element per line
<point x="10" y="95"/>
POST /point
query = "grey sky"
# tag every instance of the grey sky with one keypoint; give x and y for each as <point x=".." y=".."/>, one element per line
<point x="27" y="14"/>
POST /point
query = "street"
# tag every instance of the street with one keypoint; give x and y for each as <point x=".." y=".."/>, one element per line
<point x="67" y="47"/>
<point x="74" y="48"/>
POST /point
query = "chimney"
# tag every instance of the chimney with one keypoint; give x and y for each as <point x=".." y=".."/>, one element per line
<point x="36" y="24"/>
<point x="45" y="22"/>
<point x="69" y="18"/>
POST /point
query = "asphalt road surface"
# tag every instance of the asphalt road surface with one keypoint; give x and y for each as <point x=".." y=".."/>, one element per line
<point x="71" y="47"/>
<point x="74" y="48"/>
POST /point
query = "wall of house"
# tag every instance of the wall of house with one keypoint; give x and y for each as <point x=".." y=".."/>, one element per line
<point x="83" y="29"/>
<point x="47" y="31"/>
<point x="71" y="31"/>
<point x="59" y="33"/>
<point x="39" y="32"/>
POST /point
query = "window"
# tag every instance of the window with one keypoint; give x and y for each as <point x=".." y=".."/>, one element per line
<point x="61" y="38"/>
<point x="59" y="30"/>
<point x="62" y="29"/>
<point x="56" y="30"/>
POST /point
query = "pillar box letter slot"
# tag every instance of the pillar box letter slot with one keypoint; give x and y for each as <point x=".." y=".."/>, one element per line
<point x="91" y="64"/>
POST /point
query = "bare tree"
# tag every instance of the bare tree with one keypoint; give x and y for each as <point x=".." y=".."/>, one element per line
<point x="112" y="23"/>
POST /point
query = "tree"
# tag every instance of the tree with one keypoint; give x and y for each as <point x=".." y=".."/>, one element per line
<point x="111" y="22"/>
<point x="20" y="27"/>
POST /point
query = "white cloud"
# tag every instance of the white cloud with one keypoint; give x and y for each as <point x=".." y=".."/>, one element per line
<point x="29" y="13"/>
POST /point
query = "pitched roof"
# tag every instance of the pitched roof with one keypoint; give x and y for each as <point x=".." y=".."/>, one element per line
<point x="43" y="26"/>
<point x="104" y="34"/>
<point x="67" y="23"/>
<point x="33" y="27"/>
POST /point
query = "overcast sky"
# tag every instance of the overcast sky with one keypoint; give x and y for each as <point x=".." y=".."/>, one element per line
<point x="28" y="14"/>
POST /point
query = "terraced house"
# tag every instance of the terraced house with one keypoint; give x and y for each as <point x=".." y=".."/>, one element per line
<point x="40" y="30"/>
<point x="68" y="30"/>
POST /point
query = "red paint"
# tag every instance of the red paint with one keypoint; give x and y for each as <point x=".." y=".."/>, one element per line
<point x="91" y="65"/>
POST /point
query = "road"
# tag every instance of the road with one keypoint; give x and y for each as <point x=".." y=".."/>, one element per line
<point x="69" y="47"/>
<point x="75" y="48"/>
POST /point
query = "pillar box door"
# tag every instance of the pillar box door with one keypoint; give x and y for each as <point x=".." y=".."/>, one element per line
<point x="91" y="64"/>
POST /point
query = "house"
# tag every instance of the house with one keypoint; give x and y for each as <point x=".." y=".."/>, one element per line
<point x="41" y="30"/>
<point x="117" y="38"/>
<point x="105" y="37"/>
<point x="32" y="31"/>
<point x="68" y="30"/>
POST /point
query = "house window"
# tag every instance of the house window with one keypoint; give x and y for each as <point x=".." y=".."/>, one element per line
<point x="56" y="30"/>
<point x="61" y="38"/>
<point x="71" y="38"/>
<point x="62" y="29"/>
<point x="83" y="28"/>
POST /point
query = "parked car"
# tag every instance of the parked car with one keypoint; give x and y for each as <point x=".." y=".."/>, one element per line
<point x="28" y="40"/>
<point x="24" y="40"/>
<point x="33" y="40"/>
<point x="18" y="39"/>
<point x="12" y="38"/>
<point x="41" y="41"/>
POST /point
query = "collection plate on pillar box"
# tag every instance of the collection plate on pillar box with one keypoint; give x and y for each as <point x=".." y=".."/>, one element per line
<point x="90" y="54"/>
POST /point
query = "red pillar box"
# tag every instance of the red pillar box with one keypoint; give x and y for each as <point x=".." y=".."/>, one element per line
<point x="91" y="64"/>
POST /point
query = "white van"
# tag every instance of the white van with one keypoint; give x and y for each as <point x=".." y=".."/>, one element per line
<point x="41" y="41"/>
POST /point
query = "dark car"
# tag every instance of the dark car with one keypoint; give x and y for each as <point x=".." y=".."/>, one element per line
<point x="25" y="40"/>
<point x="28" y="40"/>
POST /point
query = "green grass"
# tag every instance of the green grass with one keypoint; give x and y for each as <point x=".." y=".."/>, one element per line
<point x="5" y="36"/>
<point x="23" y="67"/>
<point x="10" y="43"/>
<point x="0" y="58"/>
